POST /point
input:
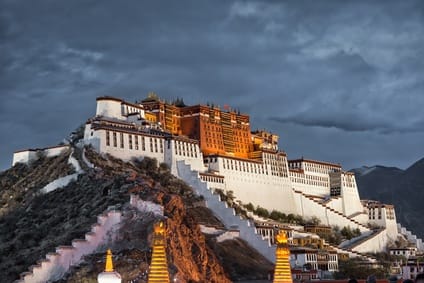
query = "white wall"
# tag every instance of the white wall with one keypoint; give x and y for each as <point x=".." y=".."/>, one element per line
<point x="164" y="149"/>
<point x="225" y="214"/>
<point x="57" y="264"/>
<point x="228" y="235"/>
<point x="117" y="108"/>
<point x="146" y="206"/>
<point x="55" y="150"/>
<point x="189" y="152"/>
<point x="351" y="202"/>
<point x="109" y="108"/>
<point x="320" y="191"/>
<point x="300" y="259"/>
<point x="97" y="138"/>
<point x="268" y="191"/>
<point x="391" y="228"/>
<point x="361" y="218"/>
<point x="335" y="203"/>
<point x="25" y="156"/>
<point x="311" y="208"/>
<point x="411" y="237"/>
<point x="385" y="220"/>
<point x="375" y="244"/>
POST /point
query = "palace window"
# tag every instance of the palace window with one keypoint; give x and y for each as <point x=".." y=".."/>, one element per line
<point x="151" y="145"/>
<point x="156" y="145"/>
<point x="136" y="142"/>
<point x="121" y="136"/>
<point x="115" y="143"/>
<point x="107" y="138"/>
<point x="143" y="144"/>
<point x="130" y="144"/>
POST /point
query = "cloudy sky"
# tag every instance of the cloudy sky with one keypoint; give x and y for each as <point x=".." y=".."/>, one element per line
<point x="340" y="81"/>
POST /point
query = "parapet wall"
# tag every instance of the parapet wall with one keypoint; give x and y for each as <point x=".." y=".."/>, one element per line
<point x="411" y="237"/>
<point x="25" y="156"/>
<point x="308" y="206"/>
<point x="56" y="264"/>
<point x="328" y="216"/>
<point x="227" y="215"/>
<point x="374" y="244"/>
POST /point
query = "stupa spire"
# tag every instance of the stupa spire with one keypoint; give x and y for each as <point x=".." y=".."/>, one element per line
<point x="109" y="275"/>
<point x="109" y="263"/>
<point x="282" y="273"/>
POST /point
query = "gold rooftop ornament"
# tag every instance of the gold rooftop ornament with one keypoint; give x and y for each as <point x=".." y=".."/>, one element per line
<point x="159" y="267"/>
<point x="282" y="272"/>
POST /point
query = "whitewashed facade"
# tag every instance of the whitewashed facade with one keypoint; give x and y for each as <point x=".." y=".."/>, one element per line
<point x="27" y="155"/>
<point x="305" y="187"/>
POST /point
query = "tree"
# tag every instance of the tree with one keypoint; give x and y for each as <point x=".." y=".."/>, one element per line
<point x="277" y="215"/>
<point x="314" y="220"/>
<point x="163" y="167"/>
<point x="249" y="206"/>
<point x="230" y="196"/>
<point x="262" y="212"/>
<point x="347" y="232"/>
<point x="149" y="164"/>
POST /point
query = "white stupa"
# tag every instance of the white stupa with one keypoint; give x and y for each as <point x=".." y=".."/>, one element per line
<point x="109" y="275"/>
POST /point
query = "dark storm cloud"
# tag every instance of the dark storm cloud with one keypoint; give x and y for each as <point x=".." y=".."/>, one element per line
<point x="333" y="122"/>
<point x="349" y="69"/>
<point x="355" y="124"/>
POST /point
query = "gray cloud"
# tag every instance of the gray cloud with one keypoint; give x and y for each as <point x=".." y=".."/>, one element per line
<point x="355" y="124"/>
<point x="333" y="122"/>
<point x="349" y="69"/>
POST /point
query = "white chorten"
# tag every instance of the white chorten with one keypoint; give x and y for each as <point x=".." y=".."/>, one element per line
<point x="109" y="275"/>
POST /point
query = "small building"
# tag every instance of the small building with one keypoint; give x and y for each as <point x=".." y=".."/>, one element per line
<point x="303" y="239"/>
<point x="412" y="267"/>
<point x="382" y="215"/>
<point x="323" y="231"/>
<point x="27" y="155"/>
<point x="405" y="252"/>
<point x="303" y="258"/>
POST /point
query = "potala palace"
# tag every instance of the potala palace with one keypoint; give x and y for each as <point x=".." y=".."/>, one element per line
<point x="213" y="148"/>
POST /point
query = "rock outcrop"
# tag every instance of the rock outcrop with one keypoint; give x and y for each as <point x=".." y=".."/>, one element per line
<point x="188" y="250"/>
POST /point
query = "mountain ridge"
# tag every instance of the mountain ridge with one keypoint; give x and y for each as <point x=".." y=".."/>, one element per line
<point x="402" y="188"/>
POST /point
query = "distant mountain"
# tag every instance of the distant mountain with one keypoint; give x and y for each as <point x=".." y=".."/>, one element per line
<point x="402" y="188"/>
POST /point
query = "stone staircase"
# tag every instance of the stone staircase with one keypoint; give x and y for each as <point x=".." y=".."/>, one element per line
<point x="56" y="264"/>
<point x="351" y="244"/>
<point x="246" y="228"/>
<point x="327" y="200"/>
<point x="355" y="214"/>
<point x="352" y="253"/>
<point x="411" y="237"/>
<point x="226" y="215"/>
<point x="333" y="212"/>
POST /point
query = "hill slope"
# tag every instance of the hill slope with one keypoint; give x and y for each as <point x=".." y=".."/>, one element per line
<point x="33" y="224"/>
<point x="403" y="188"/>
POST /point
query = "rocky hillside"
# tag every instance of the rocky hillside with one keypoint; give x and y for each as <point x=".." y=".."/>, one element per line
<point x="403" y="188"/>
<point x="19" y="184"/>
<point x="33" y="224"/>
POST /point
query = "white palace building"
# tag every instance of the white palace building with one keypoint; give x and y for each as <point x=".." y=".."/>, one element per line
<point x="218" y="148"/>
